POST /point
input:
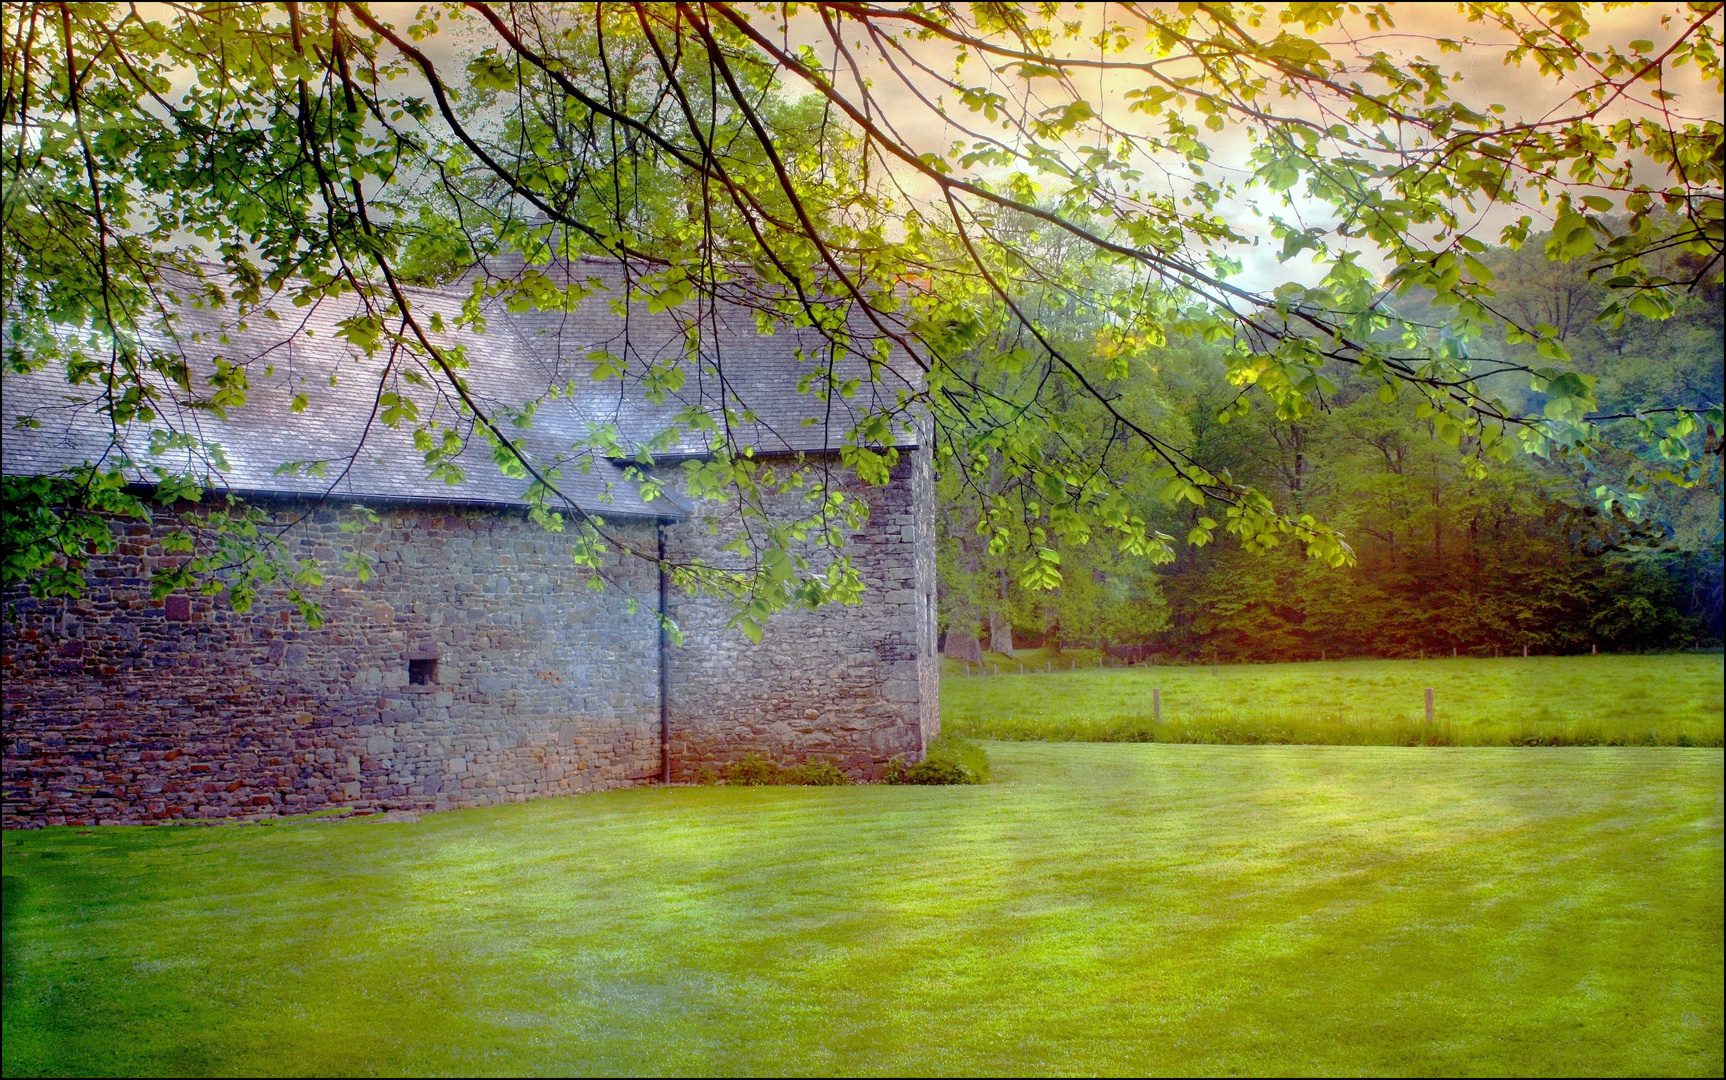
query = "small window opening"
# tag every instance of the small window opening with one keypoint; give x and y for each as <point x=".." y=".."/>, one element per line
<point x="422" y="672"/>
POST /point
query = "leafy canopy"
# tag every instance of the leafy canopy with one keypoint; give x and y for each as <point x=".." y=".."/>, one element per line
<point x="1123" y="159"/>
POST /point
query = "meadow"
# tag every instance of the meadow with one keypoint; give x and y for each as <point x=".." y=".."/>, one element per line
<point x="1657" y="700"/>
<point x="1097" y="909"/>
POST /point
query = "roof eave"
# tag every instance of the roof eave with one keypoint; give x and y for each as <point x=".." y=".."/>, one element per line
<point x="675" y="513"/>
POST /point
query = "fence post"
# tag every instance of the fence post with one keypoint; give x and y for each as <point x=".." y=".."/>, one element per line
<point x="1157" y="704"/>
<point x="1429" y="707"/>
<point x="1525" y="652"/>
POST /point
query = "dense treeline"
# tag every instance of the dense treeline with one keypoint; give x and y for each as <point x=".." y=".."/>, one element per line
<point x="1449" y="555"/>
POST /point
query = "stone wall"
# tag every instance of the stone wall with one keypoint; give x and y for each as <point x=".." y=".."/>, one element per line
<point x="854" y="685"/>
<point x="123" y="709"/>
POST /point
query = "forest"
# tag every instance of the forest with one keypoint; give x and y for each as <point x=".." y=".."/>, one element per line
<point x="1453" y="552"/>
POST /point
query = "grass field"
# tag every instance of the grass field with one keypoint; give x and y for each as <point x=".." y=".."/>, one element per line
<point x="1098" y="909"/>
<point x="1562" y="700"/>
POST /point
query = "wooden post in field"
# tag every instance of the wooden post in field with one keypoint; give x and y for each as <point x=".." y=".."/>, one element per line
<point x="1453" y="652"/>
<point x="1429" y="707"/>
<point x="1157" y="704"/>
<point x="1594" y="650"/>
<point x="1525" y="652"/>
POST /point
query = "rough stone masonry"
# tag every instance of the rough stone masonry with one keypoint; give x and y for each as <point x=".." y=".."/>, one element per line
<point x="476" y="666"/>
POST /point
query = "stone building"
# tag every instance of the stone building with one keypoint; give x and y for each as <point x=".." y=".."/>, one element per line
<point x="476" y="665"/>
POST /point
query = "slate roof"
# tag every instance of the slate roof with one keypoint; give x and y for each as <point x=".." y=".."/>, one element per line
<point x="519" y="357"/>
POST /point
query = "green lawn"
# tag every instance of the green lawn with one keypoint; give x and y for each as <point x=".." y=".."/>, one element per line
<point x="1099" y="909"/>
<point x="1568" y="700"/>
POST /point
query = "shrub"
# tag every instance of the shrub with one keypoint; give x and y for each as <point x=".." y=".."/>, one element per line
<point x="754" y="771"/>
<point x="950" y="760"/>
<point x="938" y="771"/>
<point x="815" y="773"/>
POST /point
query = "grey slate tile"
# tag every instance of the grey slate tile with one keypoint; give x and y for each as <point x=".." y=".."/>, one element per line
<point x="522" y="356"/>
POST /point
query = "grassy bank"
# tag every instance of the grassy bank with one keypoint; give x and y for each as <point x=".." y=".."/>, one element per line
<point x="1671" y="700"/>
<point x="1098" y="909"/>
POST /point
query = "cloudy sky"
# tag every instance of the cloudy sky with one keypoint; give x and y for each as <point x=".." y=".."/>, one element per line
<point x="1485" y="79"/>
<point x="1526" y="94"/>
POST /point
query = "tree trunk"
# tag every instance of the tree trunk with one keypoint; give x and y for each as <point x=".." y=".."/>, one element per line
<point x="962" y="646"/>
<point x="1000" y="633"/>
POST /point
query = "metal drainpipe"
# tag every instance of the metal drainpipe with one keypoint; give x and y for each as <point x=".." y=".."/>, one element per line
<point x="664" y="667"/>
